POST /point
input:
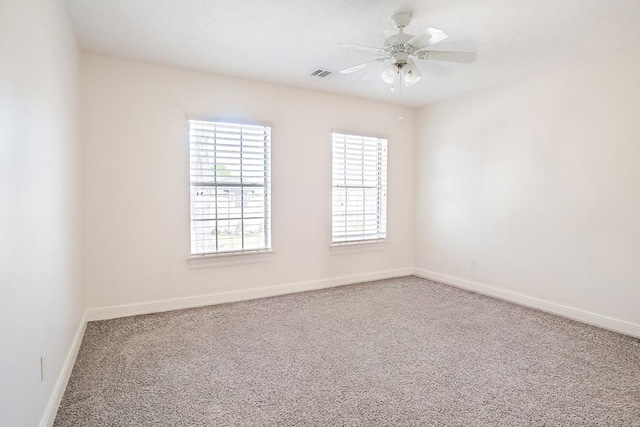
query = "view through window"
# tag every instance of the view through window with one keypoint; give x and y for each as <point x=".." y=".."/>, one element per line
<point x="230" y="187"/>
<point x="359" y="207"/>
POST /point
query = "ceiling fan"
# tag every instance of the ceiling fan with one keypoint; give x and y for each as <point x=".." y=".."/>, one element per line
<point x="400" y="48"/>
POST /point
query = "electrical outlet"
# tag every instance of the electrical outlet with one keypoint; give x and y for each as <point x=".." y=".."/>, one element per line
<point x="43" y="365"/>
<point x="473" y="264"/>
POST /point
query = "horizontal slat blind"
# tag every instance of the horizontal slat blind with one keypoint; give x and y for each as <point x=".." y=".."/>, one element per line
<point x="230" y="187"/>
<point x="359" y="188"/>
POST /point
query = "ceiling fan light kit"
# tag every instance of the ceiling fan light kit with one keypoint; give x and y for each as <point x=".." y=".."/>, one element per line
<point x="410" y="73"/>
<point x="389" y="74"/>
<point x="400" y="48"/>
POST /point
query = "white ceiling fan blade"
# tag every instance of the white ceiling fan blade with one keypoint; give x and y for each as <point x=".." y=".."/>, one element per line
<point x="448" y="56"/>
<point x="436" y="35"/>
<point x="361" y="66"/>
<point x="430" y="37"/>
<point x="367" y="48"/>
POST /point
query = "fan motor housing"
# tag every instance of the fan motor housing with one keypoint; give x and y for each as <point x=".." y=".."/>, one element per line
<point x="400" y="58"/>
<point x="398" y="40"/>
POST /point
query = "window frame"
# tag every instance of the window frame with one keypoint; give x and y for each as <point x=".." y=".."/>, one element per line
<point x="234" y="256"/>
<point x="368" y="244"/>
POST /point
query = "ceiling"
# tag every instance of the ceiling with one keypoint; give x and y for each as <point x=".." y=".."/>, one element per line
<point x="284" y="41"/>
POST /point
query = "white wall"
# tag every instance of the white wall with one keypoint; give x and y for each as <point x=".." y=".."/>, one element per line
<point x="136" y="196"/>
<point x="41" y="295"/>
<point x="540" y="181"/>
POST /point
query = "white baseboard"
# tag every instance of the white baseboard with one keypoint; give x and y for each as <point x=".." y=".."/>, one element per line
<point x="51" y="409"/>
<point x="115" y="311"/>
<point x="594" y="319"/>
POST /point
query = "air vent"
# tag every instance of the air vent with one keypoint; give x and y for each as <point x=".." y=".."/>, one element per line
<point x="322" y="73"/>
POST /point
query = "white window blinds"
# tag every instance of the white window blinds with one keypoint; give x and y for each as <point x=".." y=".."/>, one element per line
<point x="230" y="187"/>
<point x="359" y="188"/>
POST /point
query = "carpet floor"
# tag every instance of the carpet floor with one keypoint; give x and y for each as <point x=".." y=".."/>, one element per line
<point x="405" y="351"/>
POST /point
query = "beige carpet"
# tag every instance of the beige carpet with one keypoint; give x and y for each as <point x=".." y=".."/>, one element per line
<point x="403" y="351"/>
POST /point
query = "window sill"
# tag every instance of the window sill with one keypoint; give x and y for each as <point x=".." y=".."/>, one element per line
<point x="232" y="258"/>
<point x="358" y="247"/>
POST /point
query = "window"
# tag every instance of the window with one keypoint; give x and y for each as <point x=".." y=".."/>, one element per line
<point x="359" y="188"/>
<point x="230" y="187"/>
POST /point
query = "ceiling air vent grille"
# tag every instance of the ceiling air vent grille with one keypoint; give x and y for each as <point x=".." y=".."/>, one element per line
<point x="322" y="73"/>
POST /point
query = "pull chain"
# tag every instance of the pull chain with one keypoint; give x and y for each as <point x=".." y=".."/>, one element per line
<point x="400" y="117"/>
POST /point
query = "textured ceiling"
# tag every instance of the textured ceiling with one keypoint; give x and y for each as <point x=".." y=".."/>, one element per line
<point x="284" y="41"/>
